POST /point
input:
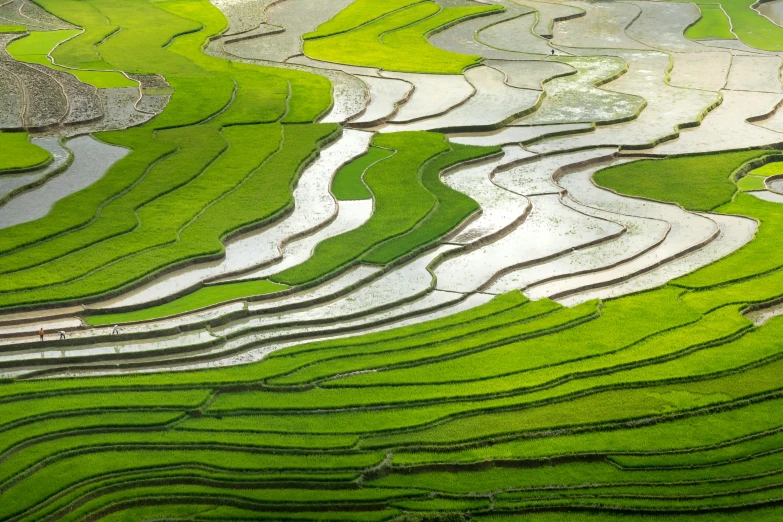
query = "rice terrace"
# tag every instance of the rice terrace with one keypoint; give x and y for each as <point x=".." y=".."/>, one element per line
<point x="391" y="260"/>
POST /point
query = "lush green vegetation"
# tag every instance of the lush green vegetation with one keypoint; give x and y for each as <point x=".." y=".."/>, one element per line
<point x="660" y="404"/>
<point x="12" y="29"/>
<point x="357" y="14"/>
<point x="701" y="182"/>
<point x="348" y="184"/>
<point x="222" y="170"/>
<point x="17" y="153"/>
<point x="670" y="367"/>
<point x="712" y="24"/>
<point x="755" y="259"/>
<point x="587" y="516"/>
<point x="770" y="169"/>
<point x="754" y="180"/>
<point x="201" y="298"/>
<point x="413" y="208"/>
<point x="751" y="27"/>
<point x="751" y="183"/>
<point x="183" y="164"/>
<point x="748" y="263"/>
<point x="451" y="209"/>
<point x="393" y="36"/>
<point x="36" y="46"/>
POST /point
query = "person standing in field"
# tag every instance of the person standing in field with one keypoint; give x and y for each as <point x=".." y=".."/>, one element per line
<point x="62" y="335"/>
<point x="116" y="330"/>
<point x="41" y="333"/>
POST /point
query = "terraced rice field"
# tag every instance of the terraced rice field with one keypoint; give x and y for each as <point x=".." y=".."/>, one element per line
<point x="400" y="260"/>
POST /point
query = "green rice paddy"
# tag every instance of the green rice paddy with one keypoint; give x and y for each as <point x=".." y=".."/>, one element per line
<point x="751" y="27"/>
<point x="660" y="402"/>
<point x="712" y="24"/>
<point x="695" y="182"/>
<point x="413" y="208"/>
<point x="201" y="298"/>
<point x="17" y="153"/>
<point x="348" y="183"/>
<point x="393" y="37"/>
<point x="36" y="47"/>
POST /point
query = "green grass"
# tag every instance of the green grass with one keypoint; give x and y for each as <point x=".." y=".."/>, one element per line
<point x="395" y="41"/>
<point x="81" y="52"/>
<point x="701" y="182"/>
<point x="156" y="443"/>
<point x="17" y="412"/>
<point x="704" y="183"/>
<point x="749" y="183"/>
<point x="243" y="497"/>
<point x="601" y="407"/>
<point x="156" y="438"/>
<point x="754" y="180"/>
<point x="218" y="174"/>
<point x="666" y="399"/>
<point x="413" y="207"/>
<point x="647" y="494"/>
<point x="75" y="498"/>
<point x="738" y="498"/>
<point x="280" y="429"/>
<point x="12" y="29"/>
<point x="592" y="338"/>
<point x="211" y="513"/>
<point x="35" y="47"/>
<point x="202" y="148"/>
<point x="452" y="209"/>
<point x="152" y="441"/>
<point x="486" y="417"/>
<point x="467" y="320"/>
<point x="347" y="184"/>
<point x="636" y="362"/>
<point x="682" y="435"/>
<point x="756" y="290"/>
<point x="120" y="228"/>
<point x="713" y="24"/>
<point x="751" y="27"/>
<point x="78" y="468"/>
<point x="201" y="298"/>
<point x="757" y="257"/>
<point x="254" y="372"/>
<point x="443" y="504"/>
<point x="543" y="478"/>
<point x="729" y="451"/>
<point x="770" y="169"/>
<point x="170" y="170"/>
<point x="520" y="322"/>
<point x="592" y="477"/>
<point x="79" y="209"/>
<point x="31" y="431"/>
<point x="356" y="14"/>
<point x="772" y="514"/>
<point x="17" y="153"/>
<point x="401" y="201"/>
<point x="199" y="148"/>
